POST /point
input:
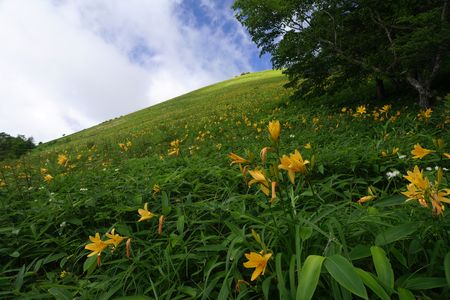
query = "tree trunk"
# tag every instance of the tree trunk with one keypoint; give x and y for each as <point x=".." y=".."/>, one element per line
<point x="381" y="92"/>
<point x="423" y="88"/>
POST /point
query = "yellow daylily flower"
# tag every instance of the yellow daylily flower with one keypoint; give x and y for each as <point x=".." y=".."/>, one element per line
<point x="114" y="239"/>
<point x="361" y="109"/>
<point x="145" y="213"/>
<point x="274" y="130"/>
<point x="174" y="148"/>
<point x="123" y="147"/>
<point x="385" y="108"/>
<point x="293" y="164"/>
<point x="62" y="159"/>
<point x="97" y="245"/>
<point x="414" y="194"/>
<point x="48" y="178"/>
<point x="366" y="199"/>
<point x="156" y="189"/>
<point x="236" y="159"/>
<point x="258" y="177"/>
<point x="416" y="178"/>
<point x="420" y="152"/>
<point x="257" y="261"/>
<point x="446" y="155"/>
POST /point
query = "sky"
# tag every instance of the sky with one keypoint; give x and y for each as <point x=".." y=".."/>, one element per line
<point x="67" y="65"/>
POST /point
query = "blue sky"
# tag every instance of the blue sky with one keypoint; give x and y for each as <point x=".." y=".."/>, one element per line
<point x="67" y="65"/>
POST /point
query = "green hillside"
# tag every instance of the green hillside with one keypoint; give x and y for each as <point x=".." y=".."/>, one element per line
<point x="195" y="197"/>
<point x="236" y="95"/>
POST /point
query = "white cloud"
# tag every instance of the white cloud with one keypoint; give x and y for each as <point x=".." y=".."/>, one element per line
<point x="67" y="65"/>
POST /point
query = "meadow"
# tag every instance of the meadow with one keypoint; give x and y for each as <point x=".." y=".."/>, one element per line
<point x="235" y="191"/>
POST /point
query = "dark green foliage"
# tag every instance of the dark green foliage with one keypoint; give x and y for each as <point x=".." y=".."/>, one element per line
<point x="327" y="44"/>
<point x="14" y="147"/>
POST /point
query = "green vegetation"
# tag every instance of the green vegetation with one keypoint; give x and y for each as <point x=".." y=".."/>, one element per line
<point x="327" y="44"/>
<point x="332" y="223"/>
<point x="14" y="147"/>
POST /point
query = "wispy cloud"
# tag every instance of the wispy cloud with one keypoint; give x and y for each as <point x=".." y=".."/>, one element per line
<point x="67" y="65"/>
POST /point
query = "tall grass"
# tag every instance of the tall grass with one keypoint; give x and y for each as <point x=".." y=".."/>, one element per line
<point x="323" y="243"/>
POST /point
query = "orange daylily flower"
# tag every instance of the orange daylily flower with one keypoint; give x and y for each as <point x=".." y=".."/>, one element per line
<point x="420" y="152"/>
<point x="145" y="213"/>
<point x="257" y="261"/>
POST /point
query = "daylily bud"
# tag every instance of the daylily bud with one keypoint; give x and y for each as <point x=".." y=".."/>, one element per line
<point x="274" y="195"/>
<point x="128" y="248"/>
<point x="274" y="130"/>
<point x="263" y="154"/>
<point x="160" y="226"/>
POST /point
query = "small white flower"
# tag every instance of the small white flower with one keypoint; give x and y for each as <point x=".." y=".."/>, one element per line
<point x="292" y="136"/>
<point x="83" y="189"/>
<point x="428" y="168"/>
<point x="402" y="156"/>
<point x="116" y="170"/>
<point x="445" y="169"/>
<point x="392" y="174"/>
<point x="63" y="224"/>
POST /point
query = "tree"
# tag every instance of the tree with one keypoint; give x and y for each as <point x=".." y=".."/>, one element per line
<point x="324" y="44"/>
<point x="13" y="147"/>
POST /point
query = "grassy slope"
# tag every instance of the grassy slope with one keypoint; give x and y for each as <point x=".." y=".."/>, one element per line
<point x="209" y="209"/>
<point x="243" y="93"/>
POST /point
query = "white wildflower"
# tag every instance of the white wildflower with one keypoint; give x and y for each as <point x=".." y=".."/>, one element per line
<point x="393" y="174"/>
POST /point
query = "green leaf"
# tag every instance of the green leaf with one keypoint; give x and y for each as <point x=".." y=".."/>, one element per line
<point x="166" y="208"/>
<point x="180" y="224"/>
<point x="383" y="268"/>
<point x="15" y="254"/>
<point x="404" y="294"/>
<point x="75" y="221"/>
<point x="447" y="267"/>
<point x="89" y="264"/>
<point x="309" y="277"/>
<point x="19" y="279"/>
<point x="424" y="283"/>
<point x="359" y="251"/>
<point x="266" y="287"/>
<point x="280" y="277"/>
<point x="390" y="201"/>
<point x="344" y="273"/>
<point x="133" y="298"/>
<point x="395" y="233"/>
<point x="372" y="283"/>
<point x="188" y="290"/>
<point x="60" y="293"/>
<point x="225" y="289"/>
<point x="305" y="233"/>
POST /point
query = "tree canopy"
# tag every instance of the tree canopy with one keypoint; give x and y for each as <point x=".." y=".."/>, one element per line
<point x="323" y="44"/>
<point x="13" y="147"/>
